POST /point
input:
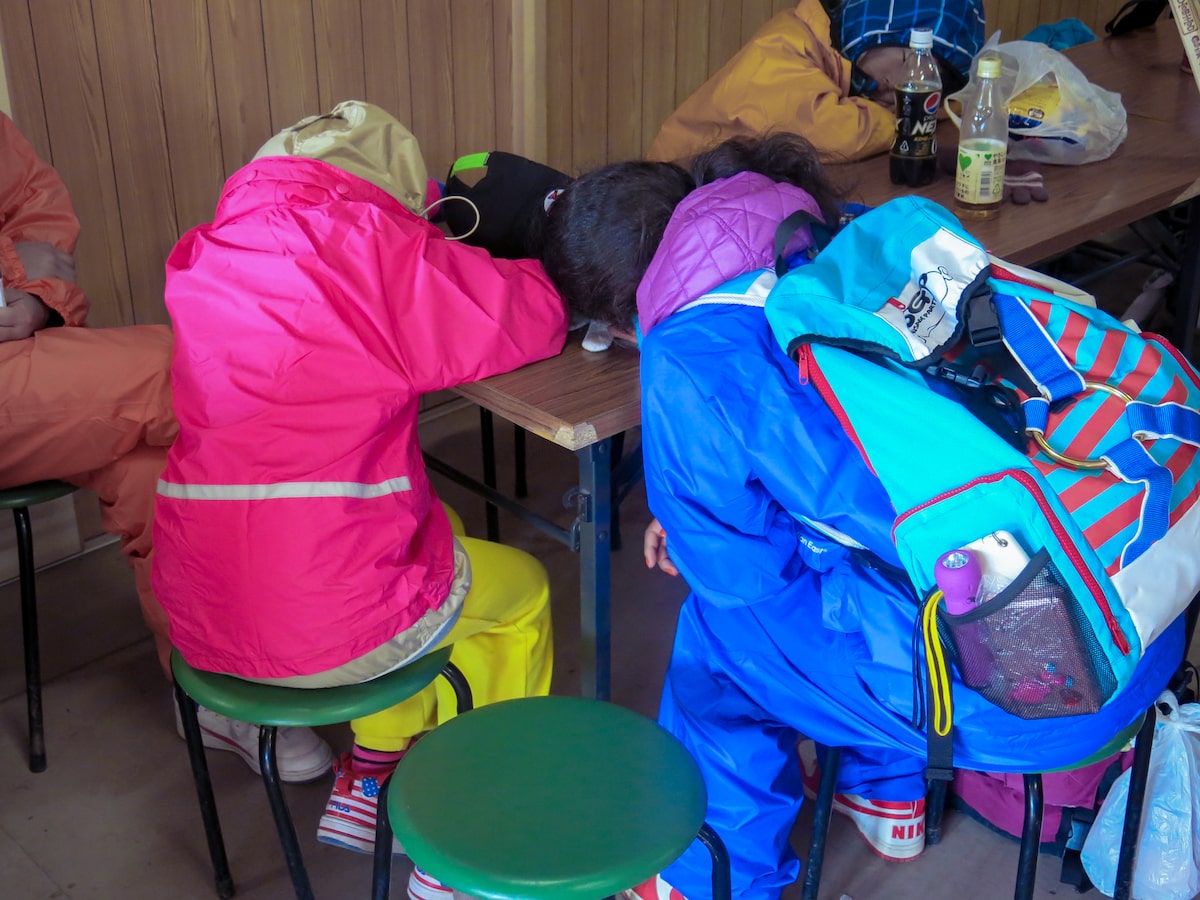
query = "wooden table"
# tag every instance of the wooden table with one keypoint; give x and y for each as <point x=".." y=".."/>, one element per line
<point x="1155" y="168"/>
<point x="582" y="401"/>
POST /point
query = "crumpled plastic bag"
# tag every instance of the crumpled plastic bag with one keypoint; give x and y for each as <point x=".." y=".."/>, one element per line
<point x="1167" y="866"/>
<point x="1055" y="114"/>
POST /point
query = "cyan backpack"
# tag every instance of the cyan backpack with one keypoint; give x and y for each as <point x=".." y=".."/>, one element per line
<point x="991" y="406"/>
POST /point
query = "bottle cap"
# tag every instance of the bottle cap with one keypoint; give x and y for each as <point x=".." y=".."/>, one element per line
<point x="920" y="38"/>
<point x="988" y="67"/>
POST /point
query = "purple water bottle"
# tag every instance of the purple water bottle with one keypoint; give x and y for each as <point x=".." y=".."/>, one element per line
<point x="958" y="575"/>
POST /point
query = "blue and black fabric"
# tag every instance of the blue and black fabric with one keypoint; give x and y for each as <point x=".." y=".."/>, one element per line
<point x="958" y="30"/>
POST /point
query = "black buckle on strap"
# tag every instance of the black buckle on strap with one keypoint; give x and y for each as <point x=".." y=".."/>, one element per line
<point x="983" y="322"/>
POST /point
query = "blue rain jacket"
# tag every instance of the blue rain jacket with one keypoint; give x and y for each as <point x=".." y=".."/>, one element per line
<point x="788" y="631"/>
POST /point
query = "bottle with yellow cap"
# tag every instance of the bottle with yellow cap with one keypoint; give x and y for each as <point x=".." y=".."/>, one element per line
<point x="982" y="145"/>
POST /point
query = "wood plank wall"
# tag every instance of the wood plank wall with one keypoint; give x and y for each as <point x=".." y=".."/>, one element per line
<point x="146" y="106"/>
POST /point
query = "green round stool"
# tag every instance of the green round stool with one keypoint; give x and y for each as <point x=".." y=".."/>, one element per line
<point x="546" y="798"/>
<point x="19" y="499"/>
<point x="272" y="707"/>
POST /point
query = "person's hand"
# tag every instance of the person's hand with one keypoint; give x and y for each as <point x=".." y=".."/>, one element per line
<point x="21" y="315"/>
<point x="654" y="548"/>
<point x="42" y="260"/>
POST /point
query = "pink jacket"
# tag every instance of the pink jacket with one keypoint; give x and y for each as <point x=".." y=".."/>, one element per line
<point x="295" y="526"/>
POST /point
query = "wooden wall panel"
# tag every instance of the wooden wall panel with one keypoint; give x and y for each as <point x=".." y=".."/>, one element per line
<point x="691" y="50"/>
<point x="589" y="85"/>
<point x="337" y="27"/>
<point x="473" y="62"/>
<point x="290" y="75"/>
<point x="189" y="102"/>
<point x="660" y="61"/>
<point x="77" y="128"/>
<point x="385" y="59"/>
<point x="134" y="104"/>
<point x="626" y="49"/>
<point x="431" y="50"/>
<point x="513" y="31"/>
<point x="240" y="69"/>
<point x="20" y="58"/>
<point x="560" y="90"/>
<point x="724" y="32"/>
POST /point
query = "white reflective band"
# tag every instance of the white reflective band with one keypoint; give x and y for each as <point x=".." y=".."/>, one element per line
<point x="283" y="490"/>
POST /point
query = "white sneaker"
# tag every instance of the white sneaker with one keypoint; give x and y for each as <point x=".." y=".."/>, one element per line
<point x="894" y="830"/>
<point x="300" y="754"/>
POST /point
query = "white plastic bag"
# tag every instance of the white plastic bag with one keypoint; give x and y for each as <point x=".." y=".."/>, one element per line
<point x="1167" y="866"/>
<point x="1055" y="114"/>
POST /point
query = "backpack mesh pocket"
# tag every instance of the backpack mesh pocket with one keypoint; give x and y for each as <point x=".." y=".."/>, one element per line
<point x="1029" y="649"/>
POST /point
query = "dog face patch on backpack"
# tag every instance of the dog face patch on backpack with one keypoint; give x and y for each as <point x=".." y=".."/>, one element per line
<point x="896" y="281"/>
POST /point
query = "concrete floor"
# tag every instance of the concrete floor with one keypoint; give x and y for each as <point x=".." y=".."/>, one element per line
<point x="115" y="815"/>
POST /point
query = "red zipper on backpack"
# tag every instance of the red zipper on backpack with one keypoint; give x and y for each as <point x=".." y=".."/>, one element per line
<point x="810" y="371"/>
<point x="1064" y="540"/>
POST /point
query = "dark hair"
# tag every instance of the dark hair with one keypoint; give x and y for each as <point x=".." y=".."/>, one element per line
<point x="605" y="227"/>
<point x="602" y="231"/>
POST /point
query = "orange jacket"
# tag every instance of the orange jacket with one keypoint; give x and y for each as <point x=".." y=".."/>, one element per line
<point x="34" y="206"/>
<point x="788" y="77"/>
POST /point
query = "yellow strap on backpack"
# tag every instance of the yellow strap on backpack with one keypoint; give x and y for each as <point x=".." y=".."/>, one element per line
<point x="942" y="713"/>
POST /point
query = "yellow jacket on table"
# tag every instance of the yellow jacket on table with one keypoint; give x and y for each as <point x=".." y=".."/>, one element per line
<point x="788" y="77"/>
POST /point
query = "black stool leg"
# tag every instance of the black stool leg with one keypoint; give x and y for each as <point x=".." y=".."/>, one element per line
<point x="1138" y="774"/>
<point x="381" y="873"/>
<point x="935" y="805"/>
<point x="29" y="634"/>
<point x="283" y="819"/>
<point x="822" y="813"/>
<point x="1031" y="838"/>
<point x="721" y="889"/>
<point x="204" y="793"/>
<point x="520" y="483"/>
<point x="488" y="436"/>
<point x="462" y="690"/>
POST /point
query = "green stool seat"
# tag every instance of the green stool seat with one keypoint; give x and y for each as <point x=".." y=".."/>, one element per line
<point x="290" y="707"/>
<point x="548" y="798"/>
<point x="19" y="499"/>
<point x="272" y="707"/>
<point x="27" y="495"/>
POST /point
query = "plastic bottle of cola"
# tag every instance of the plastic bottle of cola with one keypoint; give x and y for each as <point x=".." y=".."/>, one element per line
<point x="982" y="145"/>
<point x="918" y="98"/>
